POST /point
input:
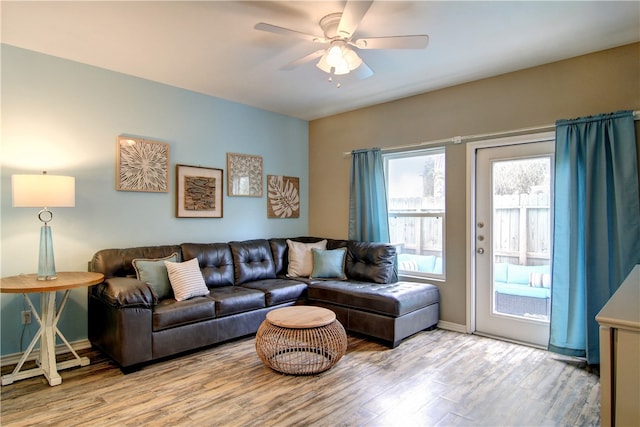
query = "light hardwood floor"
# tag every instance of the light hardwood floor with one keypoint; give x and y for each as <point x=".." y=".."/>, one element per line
<point x="433" y="378"/>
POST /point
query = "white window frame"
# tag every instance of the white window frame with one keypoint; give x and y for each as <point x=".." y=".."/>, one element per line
<point x="431" y="213"/>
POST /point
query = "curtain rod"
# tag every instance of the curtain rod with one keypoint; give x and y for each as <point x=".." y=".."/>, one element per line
<point x="472" y="138"/>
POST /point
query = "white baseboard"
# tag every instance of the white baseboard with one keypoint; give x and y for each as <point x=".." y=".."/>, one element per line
<point x="450" y="326"/>
<point x="13" y="359"/>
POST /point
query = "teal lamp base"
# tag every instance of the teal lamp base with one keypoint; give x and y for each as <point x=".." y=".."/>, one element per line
<point x="46" y="262"/>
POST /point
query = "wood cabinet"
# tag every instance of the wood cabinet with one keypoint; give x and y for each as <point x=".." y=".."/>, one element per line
<point x="619" y="323"/>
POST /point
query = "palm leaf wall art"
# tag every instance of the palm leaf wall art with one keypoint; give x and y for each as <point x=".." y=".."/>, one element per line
<point x="283" y="196"/>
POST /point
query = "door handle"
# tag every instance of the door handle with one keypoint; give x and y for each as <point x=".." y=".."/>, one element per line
<point x="480" y="250"/>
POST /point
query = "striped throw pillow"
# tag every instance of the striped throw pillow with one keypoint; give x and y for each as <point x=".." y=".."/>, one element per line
<point x="186" y="279"/>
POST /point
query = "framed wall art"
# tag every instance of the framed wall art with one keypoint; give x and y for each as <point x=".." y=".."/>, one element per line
<point x="199" y="192"/>
<point x="142" y="165"/>
<point x="244" y="175"/>
<point x="283" y="196"/>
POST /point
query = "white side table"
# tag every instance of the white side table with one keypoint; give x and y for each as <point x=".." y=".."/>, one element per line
<point x="48" y="321"/>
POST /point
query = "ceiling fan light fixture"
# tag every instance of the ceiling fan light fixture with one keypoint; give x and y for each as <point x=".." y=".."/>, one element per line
<point x="339" y="59"/>
<point x="352" y="59"/>
<point x="341" y="69"/>
<point x="331" y="63"/>
<point x="335" y="55"/>
<point x="323" y="65"/>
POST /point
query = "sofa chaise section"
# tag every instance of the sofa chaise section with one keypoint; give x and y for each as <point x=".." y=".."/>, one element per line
<point x="375" y="303"/>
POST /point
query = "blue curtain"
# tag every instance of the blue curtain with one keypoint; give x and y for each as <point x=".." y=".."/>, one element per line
<point x="368" y="221"/>
<point x="596" y="225"/>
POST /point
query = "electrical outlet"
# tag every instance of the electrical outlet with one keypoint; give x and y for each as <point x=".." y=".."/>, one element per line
<point x="26" y="317"/>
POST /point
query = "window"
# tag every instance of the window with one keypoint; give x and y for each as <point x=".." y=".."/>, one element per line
<point x="416" y="202"/>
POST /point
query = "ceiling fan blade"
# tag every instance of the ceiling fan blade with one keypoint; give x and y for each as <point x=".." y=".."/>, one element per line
<point x="303" y="60"/>
<point x="353" y="13"/>
<point x="397" y="42"/>
<point x="287" y="32"/>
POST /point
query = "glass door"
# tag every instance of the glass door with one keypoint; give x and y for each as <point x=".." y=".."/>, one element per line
<point x="513" y="241"/>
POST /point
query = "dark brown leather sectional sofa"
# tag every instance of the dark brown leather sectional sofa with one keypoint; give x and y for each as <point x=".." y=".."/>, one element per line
<point x="246" y="280"/>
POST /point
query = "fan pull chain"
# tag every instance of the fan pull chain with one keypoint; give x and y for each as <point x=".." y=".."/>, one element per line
<point x="330" y="80"/>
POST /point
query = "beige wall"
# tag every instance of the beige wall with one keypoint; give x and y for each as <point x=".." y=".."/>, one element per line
<point x="597" y="83"/>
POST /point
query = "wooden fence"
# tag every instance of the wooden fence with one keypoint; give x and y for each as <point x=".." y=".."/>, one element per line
<point x="417" y="227"/>
<point x="521" y="228"/>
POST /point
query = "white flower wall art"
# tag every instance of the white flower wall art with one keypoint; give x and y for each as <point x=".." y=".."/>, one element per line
<point x="142" y="165"/>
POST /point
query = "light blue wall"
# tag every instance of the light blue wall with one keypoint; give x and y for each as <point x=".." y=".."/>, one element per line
<point x="64" y="117"/>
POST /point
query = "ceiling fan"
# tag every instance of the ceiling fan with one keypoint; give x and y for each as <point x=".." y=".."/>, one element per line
<point x="339" y="56"/>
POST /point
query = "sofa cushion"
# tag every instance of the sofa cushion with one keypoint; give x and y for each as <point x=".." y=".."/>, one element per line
<point x="300" y="257"/>
<point x="407" y="262"/>
<point x="393" y="299"/>
<point x="371" y="262"/>
<point x="522" y="290"/>
<point x="540" y="280"/>
<point x="500" y="272"/>
<point x="280" y="254"/>
<point x="521" y="274"/>
<point x="336" y="244"/>
<point x="413" y="262"/>
<point x="118" y="262"/>
<point x="236" y="299"/>
<point x="437" y="267"/>
<point x="154" y="273"/>
<point x="186" y="279"/>
<point x="170" y="313"/>
<point x="252" y="261"/>
<point x="328" y="264"/>
<point x="215" y="261"/>
<point x="278" y="291"/>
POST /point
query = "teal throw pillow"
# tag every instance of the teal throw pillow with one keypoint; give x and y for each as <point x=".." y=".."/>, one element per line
<point x="154" y="272"/>
<point x="329" y="264"/>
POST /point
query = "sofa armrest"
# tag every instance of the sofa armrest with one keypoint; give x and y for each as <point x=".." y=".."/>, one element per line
<point x="126" y="292"/>
<point x="121" y="320"/>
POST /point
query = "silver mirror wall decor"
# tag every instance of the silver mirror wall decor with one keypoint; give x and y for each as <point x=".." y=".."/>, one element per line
<point x="244" y="175"/>
<point x="142" y="165"/>
<point x="199" y="192"/>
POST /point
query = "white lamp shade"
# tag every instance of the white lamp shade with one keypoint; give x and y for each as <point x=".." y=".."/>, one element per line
<point x="43" y="191"/>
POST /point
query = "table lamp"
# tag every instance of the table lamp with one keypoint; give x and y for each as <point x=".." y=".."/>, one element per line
<point x="44" y="191"/>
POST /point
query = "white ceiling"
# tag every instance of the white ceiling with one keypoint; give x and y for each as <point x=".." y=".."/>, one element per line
<point x="211" y="47"/>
